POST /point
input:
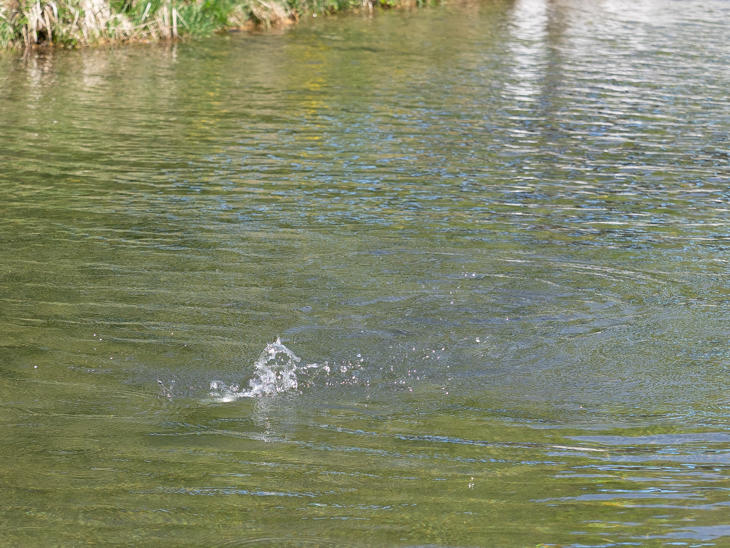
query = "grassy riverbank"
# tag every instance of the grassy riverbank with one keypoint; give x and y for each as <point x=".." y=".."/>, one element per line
<point x="28" y="23"/>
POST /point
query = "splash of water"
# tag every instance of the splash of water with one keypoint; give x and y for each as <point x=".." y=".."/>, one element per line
<point x="276" y="371"/>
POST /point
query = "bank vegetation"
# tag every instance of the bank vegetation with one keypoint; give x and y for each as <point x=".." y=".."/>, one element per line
<point x="72" y="23"/>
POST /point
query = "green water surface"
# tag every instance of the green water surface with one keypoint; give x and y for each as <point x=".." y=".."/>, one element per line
<point x="500" y="231"/>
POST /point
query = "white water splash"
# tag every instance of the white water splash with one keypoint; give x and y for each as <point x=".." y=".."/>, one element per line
<point x="275" y="372"/>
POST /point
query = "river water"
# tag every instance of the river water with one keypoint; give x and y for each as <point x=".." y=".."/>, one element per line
<point x="493" y="239"/>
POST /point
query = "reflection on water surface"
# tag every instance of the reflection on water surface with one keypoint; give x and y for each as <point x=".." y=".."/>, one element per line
<point x="495" y="236"/>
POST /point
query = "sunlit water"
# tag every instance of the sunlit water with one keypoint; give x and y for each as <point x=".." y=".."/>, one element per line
<point x="493" y="239"/>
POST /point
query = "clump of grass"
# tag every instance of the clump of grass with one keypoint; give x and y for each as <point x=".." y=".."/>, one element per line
<point x="65" y="22"/>
<point x="73" y="23"/>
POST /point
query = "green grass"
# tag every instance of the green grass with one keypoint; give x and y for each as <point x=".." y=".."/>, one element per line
<point x="71" y="23"/>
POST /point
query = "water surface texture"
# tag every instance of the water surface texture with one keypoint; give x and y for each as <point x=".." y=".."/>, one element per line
<point x="492" y="238"/>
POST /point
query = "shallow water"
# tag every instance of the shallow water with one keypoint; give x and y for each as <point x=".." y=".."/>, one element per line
<point x="495" y="236"/>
